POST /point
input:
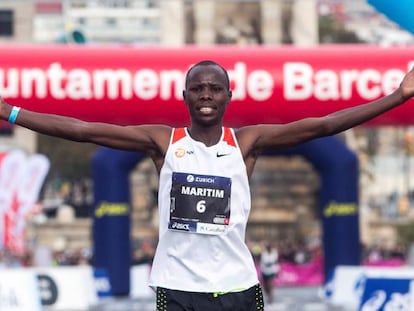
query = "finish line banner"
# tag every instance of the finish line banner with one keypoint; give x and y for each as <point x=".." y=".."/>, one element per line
<point x="144" y="84"/>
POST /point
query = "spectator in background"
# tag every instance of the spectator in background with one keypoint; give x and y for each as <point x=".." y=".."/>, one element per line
<point x="144" y="254"/>
<point x="399" y="252"/>
<point x="256" y="250"/>
<point x="269" y="268"/>
<point x="302" y="254"/>
<point x="375" y="254"/>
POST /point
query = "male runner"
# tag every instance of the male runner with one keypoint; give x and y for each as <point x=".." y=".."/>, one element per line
<point x="202" y="262"/>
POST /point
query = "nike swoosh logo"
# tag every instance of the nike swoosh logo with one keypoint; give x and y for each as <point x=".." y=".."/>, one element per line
<point x="219" y="155"/>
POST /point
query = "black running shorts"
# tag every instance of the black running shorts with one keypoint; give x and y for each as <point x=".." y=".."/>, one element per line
<point x="175" y="300"/>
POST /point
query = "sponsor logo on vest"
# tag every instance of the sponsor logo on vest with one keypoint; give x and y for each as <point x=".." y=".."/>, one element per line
<point x="210" y="228"/>
<point x="180" y="226"/>
<point x="219" y="155"/>
<point x="209" y="180"/>
<point x="180" y="152"/>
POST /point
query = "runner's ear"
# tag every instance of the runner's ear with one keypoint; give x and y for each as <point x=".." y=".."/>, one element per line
<point x="184" y="97"/>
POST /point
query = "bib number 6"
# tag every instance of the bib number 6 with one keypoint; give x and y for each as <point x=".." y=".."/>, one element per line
<point x="201" y="206"/>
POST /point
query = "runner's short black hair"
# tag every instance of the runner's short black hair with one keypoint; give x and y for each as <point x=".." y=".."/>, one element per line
<point x="208" y="63"/>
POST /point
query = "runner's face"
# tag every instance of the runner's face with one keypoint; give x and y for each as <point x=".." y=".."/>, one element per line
<point x="207" y="95"/>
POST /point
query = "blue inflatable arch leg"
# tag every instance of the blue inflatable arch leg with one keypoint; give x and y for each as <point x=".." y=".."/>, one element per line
<point x="111" y="218"/>
<point x="339" y="172"/>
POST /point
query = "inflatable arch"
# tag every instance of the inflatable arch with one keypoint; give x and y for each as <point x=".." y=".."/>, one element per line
<point x="336" y="164"/>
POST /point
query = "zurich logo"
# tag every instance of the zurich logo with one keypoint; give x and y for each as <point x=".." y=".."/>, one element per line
<point x="190" y="178"/>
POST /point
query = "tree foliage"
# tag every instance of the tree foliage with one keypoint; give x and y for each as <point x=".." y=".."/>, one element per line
<point x="332" y="30"/>
<point x="405" y="233"/>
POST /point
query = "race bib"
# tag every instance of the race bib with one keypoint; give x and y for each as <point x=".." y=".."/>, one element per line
<point x="200" y="203"/>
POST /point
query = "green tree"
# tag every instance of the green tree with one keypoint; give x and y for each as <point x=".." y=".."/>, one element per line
<point x="332" y="30"/>
<point x="405" y="233"/>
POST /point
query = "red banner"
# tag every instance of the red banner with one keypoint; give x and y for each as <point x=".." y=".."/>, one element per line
<point x="136" y="85"/>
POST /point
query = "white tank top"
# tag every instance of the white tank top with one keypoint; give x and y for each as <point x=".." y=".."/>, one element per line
<point x="204" y="205"/>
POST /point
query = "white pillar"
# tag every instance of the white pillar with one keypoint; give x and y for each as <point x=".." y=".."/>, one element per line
<point x="304" y="27"/>
<point x="271" y="12"/>
<point x="173" y="23"/>
<point x="204" y="16"/>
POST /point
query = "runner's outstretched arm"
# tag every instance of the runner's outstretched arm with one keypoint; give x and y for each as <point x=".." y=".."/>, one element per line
<point x="267" y="136"/>
<point x="146" y="138"/>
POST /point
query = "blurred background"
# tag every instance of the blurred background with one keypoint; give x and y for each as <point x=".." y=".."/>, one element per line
<point x="286" y="189"/>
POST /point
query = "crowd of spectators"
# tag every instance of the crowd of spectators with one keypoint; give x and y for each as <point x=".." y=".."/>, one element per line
<point x="9" y="259"/>
<point x="378" y="255"/>
<point x="76" y="193"/>
<point x="299" y="252"/>
<point x="303" y="259"/>
<point x="44" y="256"/>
